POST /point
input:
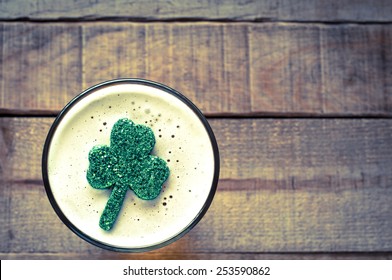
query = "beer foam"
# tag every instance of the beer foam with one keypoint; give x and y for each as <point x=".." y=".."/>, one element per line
<point x="181" y="139"/>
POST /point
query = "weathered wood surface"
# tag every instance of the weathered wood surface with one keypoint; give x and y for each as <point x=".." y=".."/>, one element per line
<point x="314" y="187"/>
<point x="177" y="254"/>
<point x="225" y="68"/>
<point x="286" y="185"/>
<point x="237" y="10"/>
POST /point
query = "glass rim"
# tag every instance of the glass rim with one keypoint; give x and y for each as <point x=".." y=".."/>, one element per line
<point x="149" y="83"/>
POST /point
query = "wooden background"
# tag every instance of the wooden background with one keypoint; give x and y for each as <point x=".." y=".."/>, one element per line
<point x="298" y="93"/>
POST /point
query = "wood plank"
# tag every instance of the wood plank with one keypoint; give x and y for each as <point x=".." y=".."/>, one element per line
<point x="164" y="255"/>
<point x="321" y="69"/>
<point x="196" y="60"/>
<point x="287" y="185"/>
<point x="40" y="65"/>
<point x="225" y="69"/>
<point x="238" y="10"/>
<point x="263" y="221"/>
<point x="278" y="154"/>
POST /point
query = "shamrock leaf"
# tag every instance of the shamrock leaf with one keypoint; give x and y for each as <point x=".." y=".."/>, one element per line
<point x="126" y="163"/>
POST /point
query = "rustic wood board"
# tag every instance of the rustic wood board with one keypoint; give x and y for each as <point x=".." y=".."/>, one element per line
<point x="299" y="95"/>
<point x="164" y="254"/>
<point x="286" y="185"/>
<point x="246" y="69"/>
<point x="235" y="10"/>
<point x="267" y="153"/>
<point x="253" y="221"/>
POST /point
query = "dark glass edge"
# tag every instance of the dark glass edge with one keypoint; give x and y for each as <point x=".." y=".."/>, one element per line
<point x="91" y="90"/>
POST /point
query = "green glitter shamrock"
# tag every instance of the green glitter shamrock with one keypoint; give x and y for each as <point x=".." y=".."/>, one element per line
<point x="127" y="163"/>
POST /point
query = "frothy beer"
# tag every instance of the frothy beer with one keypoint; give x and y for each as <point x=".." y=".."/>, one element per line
<point x="184" y="140"/>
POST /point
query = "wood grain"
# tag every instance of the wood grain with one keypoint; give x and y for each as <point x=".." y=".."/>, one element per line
<point x="237" y="10"/>
<point x="321" y="69"/>
<point x="270" y="69"/>
<point x="266" y="153"/>
<point x="286" y="185"/>
<point x="40" y="65"/>
<point x="275" y="221"/>
<point x="178" y="255"/>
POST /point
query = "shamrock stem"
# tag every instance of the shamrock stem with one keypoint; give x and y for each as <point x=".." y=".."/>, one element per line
<point x="113" y="207"/>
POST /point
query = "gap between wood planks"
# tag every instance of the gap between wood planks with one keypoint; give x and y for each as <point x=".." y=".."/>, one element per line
<point x="115" y="19"/>
<point x="4" y="112"/>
